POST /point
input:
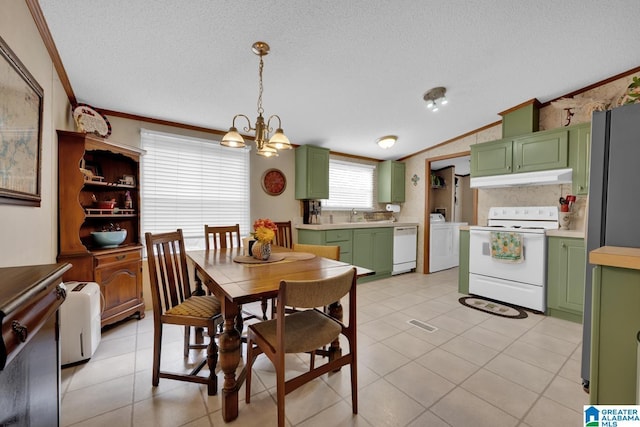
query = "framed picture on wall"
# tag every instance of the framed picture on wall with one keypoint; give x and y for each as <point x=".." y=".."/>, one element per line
<point x="20" y="131"/>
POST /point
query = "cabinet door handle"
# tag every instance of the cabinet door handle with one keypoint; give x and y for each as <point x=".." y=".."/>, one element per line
<point x="19" y="330"/>
<point x="508" y="168"/>
<point x="563" y="245"/>
<point x="120" y="257"/>
<point x="580" y="187"/>
<point x="519" y="166"/>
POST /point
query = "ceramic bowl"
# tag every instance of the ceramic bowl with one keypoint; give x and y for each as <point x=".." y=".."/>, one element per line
<point x="109" y="239"/>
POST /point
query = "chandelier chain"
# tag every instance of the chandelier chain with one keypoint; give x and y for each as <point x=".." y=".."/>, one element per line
<point x="260" y="67"/>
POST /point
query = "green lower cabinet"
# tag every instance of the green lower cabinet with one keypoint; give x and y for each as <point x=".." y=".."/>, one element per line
<point x="463" y="268"/>
<point x="565" y="278"/>
<point x="614" y="342"/>
<point x="373" y="249"/>
<point x="341" y="237"/>
<point x="370" y="248"/>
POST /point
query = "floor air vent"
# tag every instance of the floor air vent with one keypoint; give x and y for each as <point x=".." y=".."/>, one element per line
<point x="427" y="327"/>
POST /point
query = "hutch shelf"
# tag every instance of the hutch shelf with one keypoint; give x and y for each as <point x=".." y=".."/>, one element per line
<point x="92" y="169"/>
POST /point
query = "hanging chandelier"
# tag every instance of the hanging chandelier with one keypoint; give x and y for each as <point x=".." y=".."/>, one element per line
<point x="267" y="147"/>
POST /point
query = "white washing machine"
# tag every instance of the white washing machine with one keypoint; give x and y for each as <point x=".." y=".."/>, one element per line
<point x="444" y="243"/>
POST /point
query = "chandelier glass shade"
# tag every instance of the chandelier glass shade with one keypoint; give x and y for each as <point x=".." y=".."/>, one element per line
<point x="266" y="146"/>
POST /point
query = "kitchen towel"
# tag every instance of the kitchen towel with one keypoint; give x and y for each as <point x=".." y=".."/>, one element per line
<point x="506" y="246"/>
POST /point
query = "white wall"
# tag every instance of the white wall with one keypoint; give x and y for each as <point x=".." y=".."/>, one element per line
<point x="29" y="234"/>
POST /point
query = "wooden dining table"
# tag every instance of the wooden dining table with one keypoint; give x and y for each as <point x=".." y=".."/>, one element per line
<point x="236" y="283"/>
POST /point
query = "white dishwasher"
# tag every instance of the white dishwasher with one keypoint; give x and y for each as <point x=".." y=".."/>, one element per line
<point x="405" y="244"/>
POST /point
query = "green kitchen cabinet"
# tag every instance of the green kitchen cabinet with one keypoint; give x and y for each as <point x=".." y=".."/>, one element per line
<point x="373" y="249"/>
<point x="312" y="172"/>
<point x="579" y="157"/>
<point x="565" y="278"/>
<point x="614" y="335"/>
<point x="463" y="268"/>
<point x="527" y="153"/>
<point x="541" y="151"/>
<point x="339" y="237"/>
<point x="492" y="158"/>
<point x="391" y="181"/>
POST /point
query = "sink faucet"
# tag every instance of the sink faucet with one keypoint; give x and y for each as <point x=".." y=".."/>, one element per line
<point x="352" y="213"/>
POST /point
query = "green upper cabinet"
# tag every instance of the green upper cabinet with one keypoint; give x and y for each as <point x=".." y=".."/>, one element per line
<point x="541" y="151"/>
<point x="533" y="152"/>
<point x="579" y="157"/>
<point x="312" y="172"/>
<point x="566" y="265"/>
<point x="491" y="158"/>
<point x="391" y="182"/>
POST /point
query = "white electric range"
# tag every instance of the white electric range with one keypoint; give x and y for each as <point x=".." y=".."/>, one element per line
<point x="521" y="283"/>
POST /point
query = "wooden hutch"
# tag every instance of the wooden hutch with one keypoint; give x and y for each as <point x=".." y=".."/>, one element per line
<point x="109" y="171"/>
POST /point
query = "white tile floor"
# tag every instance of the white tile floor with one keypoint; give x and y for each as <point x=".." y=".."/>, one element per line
<point x="476" y="369"/>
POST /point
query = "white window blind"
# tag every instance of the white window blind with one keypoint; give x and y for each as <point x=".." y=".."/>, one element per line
<point x="351" y="185"/>
<point x="188" y="182"/>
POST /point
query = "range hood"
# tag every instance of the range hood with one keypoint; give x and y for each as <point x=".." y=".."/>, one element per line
<point x="547" y="177"/>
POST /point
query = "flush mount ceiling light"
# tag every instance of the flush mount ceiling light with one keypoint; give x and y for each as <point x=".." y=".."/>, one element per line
<point x="266" y="147"/>
<point x="435" y="97"/>
<point x="387" y="141"/>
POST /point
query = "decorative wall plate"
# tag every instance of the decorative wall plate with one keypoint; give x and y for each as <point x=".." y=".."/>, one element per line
<point x="89" y="120"/>
<point x="273" y="182"/>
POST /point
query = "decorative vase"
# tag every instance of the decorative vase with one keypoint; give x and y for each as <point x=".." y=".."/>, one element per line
<point x="261" y="250"/>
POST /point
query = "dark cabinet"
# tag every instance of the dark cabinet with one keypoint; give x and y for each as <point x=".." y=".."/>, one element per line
<point x="114" y="174"/>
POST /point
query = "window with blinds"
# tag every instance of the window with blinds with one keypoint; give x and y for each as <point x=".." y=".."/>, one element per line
<point x="351" y="185"/>
<point x="188" y="182"/>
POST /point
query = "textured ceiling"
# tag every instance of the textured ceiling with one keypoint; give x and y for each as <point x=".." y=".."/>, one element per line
<point x="340" y="73"/>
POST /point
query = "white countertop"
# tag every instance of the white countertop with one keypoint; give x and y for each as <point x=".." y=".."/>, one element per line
<point x="361" y="224"/>
<point x="577" y="234"/>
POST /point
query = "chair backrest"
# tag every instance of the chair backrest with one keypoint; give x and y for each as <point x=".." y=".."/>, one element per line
<point x="283" y="234"/>
<point x="331" y="252"/>
<point x="168" y="270"/>
<point x="222" y="236"/>
<point x="317" y="293"/>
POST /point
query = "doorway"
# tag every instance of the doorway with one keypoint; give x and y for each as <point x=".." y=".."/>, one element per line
<point x="448" y="192"/>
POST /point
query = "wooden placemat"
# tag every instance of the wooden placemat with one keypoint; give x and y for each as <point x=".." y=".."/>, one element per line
<point x="243" y="259"/>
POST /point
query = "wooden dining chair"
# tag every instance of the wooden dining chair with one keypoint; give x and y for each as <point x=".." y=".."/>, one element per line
<point x="173" y="303"/>
<point x="227" y="236"/>
<point x="331" y="252"/>
<point x="222" y="236"/>
<point x="283" y="234"/>
<point x="305" y="332"/>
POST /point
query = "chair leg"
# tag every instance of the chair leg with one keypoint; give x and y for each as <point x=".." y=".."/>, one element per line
<point x="212" y="361"/>
<point x="280" y="394"/>
<point x="157" y="346"/>
<point x="263" y="303"/>
<point x="187" y="340"/>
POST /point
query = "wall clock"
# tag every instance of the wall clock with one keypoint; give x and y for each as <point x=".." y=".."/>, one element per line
<point x="273" y="182"/>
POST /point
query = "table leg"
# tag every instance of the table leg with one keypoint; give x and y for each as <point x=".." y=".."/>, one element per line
<point x="335" y="311"/>
<point x="229" y="351"/>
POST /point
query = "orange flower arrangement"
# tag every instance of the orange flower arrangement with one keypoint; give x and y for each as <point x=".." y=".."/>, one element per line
<point x="264" y="230"/>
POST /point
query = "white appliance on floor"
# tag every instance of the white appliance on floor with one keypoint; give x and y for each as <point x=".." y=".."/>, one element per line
<point x="520" y="283"/>
<point x="80" y="322"/>
<point x="444" y="243"/>
<point x="405" y="245"/>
